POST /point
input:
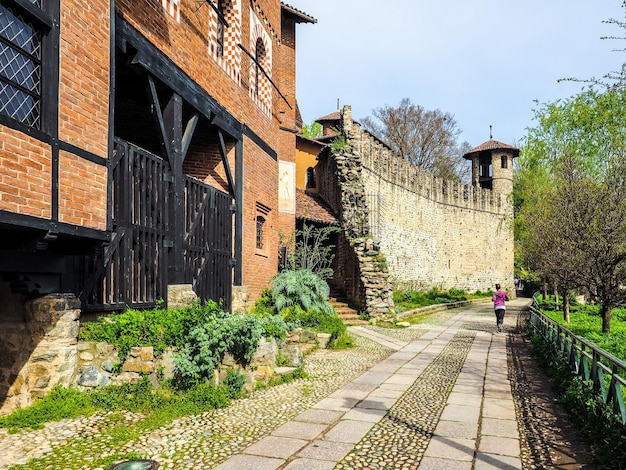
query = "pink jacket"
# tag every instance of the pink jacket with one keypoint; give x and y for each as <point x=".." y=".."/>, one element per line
<point x="499" y="297"/>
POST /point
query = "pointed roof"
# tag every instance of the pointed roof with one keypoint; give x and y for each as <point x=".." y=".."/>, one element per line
<point x="492" y="145"/>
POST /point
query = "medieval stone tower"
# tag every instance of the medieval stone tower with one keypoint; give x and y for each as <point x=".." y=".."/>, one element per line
<point x="492" y="166"/>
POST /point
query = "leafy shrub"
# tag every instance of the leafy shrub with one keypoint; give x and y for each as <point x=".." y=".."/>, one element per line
<point x="235" y="382"/>
<point x="159" y="328"/>
<point x="316" y="320"/>
<point x="586" y="408"/>
<point x="207" y="343"/>
<point x="300" y="288"/>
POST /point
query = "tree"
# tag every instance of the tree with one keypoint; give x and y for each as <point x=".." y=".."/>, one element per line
<point x="571" y="195"/>
<point x="313" y="130"/>
<point x="614" y="80"/>
<point x="311" y="248"/>
<point x="425" y="138"/>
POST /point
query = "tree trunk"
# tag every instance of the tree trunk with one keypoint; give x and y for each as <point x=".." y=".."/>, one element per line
<point x="544" y="288"/>
<point x="565" y="307"/>
<point x="605" y="313"/>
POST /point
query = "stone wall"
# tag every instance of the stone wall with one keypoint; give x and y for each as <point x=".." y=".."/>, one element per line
<point x="432" y="232"/>
<point x="39" y="348"/>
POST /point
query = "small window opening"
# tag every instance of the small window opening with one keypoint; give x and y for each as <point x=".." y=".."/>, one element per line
<point x="310" y="178"/>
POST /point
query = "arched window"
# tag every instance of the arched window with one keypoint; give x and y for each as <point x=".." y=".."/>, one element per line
<point x="259" y="55"/>
<point x="221" y="28"/>
<point x="310" y="178"/>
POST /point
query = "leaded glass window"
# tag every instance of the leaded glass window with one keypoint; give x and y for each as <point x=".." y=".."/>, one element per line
<point x="20" y="67"/>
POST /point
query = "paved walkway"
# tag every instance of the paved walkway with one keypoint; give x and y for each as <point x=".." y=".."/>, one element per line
<point x="428" y="397"/>
<point x="473" y="425"/>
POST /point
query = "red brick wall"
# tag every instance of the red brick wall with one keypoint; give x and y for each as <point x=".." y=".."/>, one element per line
<point x="83" y="97"/>
<point x="260" y="187"/>
<point x="84" y="74"/>
<point x="82" y="192"/>
<point x="187" y="43"/>
<point x="25" y="174"/>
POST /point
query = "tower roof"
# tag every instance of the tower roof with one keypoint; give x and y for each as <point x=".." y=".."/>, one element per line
<point x="492" y="145"/>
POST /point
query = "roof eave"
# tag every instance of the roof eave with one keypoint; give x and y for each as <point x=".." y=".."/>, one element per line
<point x="301" y="17"/>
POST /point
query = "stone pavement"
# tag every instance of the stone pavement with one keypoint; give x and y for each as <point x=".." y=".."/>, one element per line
<point x="429" y="396"/>
<point x="456" y="372"/>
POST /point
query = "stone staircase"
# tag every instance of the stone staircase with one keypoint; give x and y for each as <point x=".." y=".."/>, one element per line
<point x="347" y="314"/>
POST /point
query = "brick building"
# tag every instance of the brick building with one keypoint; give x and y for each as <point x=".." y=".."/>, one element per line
<point x="144" y="145"/>
<point x="185" y="89"/>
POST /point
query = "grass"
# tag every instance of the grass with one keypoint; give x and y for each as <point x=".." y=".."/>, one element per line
<point x="411" y="299"/>
<point x="586" y="322"/>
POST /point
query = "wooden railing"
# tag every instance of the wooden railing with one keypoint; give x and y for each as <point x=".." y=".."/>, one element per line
<point x="591" y="363"/>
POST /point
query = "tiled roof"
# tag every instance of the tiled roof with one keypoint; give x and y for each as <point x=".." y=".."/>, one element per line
<point x="312" y="207"/>
<point x="299" y="13"/>
<point x="336" y="116"/>
<point x="492" y="145"/>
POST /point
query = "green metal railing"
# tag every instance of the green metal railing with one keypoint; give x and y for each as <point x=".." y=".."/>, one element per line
<point x="585" y="359"/>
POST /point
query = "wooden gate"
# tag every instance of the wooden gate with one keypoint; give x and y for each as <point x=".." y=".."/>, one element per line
<point x="208" y="241"/>
<point x="133" y="269"/>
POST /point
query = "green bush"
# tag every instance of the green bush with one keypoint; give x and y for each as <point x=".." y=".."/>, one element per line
<point x="235" y="382"/>
<point x="207" y="343"/>
<point x="159" y="328"/>
<point x="586" y="408"/>
<point x="414" y="299"/>
<point x="315" y="320"/>
<point x="300" y="288"/>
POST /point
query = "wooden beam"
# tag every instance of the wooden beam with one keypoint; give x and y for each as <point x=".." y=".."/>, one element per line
<point x="229" y="175"/>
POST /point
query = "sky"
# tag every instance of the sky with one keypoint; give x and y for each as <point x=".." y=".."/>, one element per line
<point x="486" y="62"/>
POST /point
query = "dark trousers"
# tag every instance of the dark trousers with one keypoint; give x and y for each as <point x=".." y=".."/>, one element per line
<point x="500" y="316"/>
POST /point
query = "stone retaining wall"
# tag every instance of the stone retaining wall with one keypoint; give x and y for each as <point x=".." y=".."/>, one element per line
<point x="40" y="349"/>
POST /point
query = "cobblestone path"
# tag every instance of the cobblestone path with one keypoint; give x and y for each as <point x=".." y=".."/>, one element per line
<point x="400" y="439"/>
<point x="194" y="442"/>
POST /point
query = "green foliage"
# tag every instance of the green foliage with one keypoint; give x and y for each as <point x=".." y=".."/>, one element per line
<point x="338" y="143"/>
<point x="585" y="321"/>
<point x="301" y="288"/>
<point x="159" y="328"/>
<point x="235" y="382"/>
<point x="344" y="341"/>
<point x="586" y="408"/>
<point x="60" y="403"/>
<point x="569" y="196"/>
<point x="313" y="130"/>
<point x="160" y="405"/>
<point x="316" y="320"/>
<point x="299" y="373"/>
<point x="410" y="299"/>
<point x="208" y="342"/>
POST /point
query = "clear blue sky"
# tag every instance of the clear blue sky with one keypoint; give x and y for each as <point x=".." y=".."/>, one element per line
<point x="484" y="61"/>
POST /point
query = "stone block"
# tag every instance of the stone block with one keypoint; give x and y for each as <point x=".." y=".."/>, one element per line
<point x="137" y="365"/>
<point x="292" y="354"/>
<point x="308" y="336"/>
<point x="323" y="339"/>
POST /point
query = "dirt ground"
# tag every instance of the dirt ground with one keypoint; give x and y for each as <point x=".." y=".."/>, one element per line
<point x="548" y="438"/>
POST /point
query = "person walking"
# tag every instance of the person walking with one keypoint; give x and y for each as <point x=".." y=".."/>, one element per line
<point x="499" y="298"/>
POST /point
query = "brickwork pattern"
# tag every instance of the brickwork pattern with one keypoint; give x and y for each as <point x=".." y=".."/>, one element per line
<point x="26" y="179"/>
<point x="84" y="75"/>
<point x="82" y="192"/>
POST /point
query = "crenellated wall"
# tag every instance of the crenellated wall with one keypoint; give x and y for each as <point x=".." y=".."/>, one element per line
<point x="432" y="232"/>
